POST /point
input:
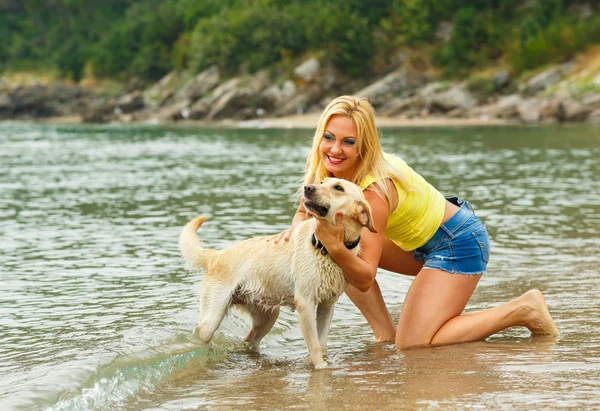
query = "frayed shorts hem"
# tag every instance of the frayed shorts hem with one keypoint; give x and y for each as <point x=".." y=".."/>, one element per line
<point x="452" y="272"/>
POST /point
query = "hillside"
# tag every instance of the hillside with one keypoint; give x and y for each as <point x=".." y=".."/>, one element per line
<point x="147" y="60"/>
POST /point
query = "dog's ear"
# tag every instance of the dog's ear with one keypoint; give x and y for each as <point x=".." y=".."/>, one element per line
<point x="364" y="216"/>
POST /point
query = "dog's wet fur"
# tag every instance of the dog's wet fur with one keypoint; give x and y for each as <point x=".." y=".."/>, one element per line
<point x="260" y="276"/>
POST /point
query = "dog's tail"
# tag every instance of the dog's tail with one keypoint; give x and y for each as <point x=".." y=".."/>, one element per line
<point x="190" y="247"/>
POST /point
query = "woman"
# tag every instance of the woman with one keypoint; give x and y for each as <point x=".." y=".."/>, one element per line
<point x="439" y="241"/>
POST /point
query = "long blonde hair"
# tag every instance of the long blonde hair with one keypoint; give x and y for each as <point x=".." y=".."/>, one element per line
<point x="368" y="146"/>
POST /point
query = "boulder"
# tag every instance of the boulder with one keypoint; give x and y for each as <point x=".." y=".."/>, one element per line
<point x="501" y="79"/>
<point x="202" y="107"/>
<point x="275" y="95"/>
<point x="131" y="102"/>
<point x="453" y="98"/>
<point x="202" y="83"/>
<point x="399" y="105"/>
<point x="528" y="110"/>
<point x="571" y="110"/>
<point x="161" y="92"/>
<point x="591" y="101"/>
<point x="229" y="103"/>
<point x="541" y="82"/>
<point x="506" y="107"/>
<point x="6" y="105"/>
<point x="174" y="112"/>
<point x="100" y="114"/>
<point x="395" y="83"/>
<point x="308" y="71"/>
<point x="301" y="102"/>
<point x="594" y="117"/>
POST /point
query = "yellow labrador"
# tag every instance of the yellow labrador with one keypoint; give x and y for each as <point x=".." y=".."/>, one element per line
<point x="260" y="276"/>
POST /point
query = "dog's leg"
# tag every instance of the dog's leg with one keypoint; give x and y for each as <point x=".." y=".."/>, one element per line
<point x="308" y="324"/>
<point x="214" y="301"/>
<point x="262" y="321"/>
<point x="324" y="315"/>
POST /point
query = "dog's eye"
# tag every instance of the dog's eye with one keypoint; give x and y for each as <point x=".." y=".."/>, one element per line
<point x="338" y="187"/>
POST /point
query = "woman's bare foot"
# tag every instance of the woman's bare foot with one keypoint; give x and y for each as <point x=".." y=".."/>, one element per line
<point x="535" y="315"/>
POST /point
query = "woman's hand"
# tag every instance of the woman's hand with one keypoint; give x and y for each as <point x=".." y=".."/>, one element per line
<point x="330" y="235"/>
<point x="283" y="236"/>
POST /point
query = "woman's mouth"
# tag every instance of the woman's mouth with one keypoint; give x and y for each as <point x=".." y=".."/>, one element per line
<point x="335" y="160"/>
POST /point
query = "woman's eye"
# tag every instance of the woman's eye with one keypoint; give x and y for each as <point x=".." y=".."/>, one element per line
<point x="328" y="137"/>
<point x="350" y="142"/>
<point x="338" y="187"/>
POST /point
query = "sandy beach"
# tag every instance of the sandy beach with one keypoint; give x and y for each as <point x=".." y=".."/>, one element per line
<point x="307" y="121"/>
<point x="310" y="121"/>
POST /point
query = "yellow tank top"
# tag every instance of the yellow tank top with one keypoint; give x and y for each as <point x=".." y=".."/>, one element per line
<point x="419" y="212"/>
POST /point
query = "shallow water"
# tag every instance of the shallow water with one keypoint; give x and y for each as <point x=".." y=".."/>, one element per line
<point x="96" y="309"/>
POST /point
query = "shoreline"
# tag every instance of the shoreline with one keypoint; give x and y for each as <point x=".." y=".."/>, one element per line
<point x="304" y="121"/>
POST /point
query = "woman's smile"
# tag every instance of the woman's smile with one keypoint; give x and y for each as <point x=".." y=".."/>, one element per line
<point x="338" y="147"/>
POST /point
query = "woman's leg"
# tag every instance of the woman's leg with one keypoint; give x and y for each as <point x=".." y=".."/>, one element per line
<point x="371" y="304"/>
<point x="431" y="314"/>
<point x="372" y="307"/>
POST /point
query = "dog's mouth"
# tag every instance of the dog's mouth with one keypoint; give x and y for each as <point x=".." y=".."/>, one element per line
<point x="316" y="209"/>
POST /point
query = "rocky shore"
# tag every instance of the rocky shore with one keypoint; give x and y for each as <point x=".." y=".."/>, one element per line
<point x="564" y="93"/>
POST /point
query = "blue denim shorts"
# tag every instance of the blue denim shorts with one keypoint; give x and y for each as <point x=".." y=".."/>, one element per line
<point x="460" y="246"/>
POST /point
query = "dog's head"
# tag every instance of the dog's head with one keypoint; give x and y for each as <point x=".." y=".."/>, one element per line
<point x="334" y="195"/>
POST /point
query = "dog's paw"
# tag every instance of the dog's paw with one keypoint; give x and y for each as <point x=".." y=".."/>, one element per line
<point x="321" y="365"/>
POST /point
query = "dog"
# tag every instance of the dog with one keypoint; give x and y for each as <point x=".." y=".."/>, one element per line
<point x="260" y="276"/>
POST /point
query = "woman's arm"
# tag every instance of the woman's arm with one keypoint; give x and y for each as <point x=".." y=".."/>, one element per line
<point x="359" y="270"/>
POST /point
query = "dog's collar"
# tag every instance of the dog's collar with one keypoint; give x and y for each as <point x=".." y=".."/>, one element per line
<point x="317" y="244"/>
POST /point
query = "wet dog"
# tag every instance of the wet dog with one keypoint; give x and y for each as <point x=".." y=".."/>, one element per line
<point x="260" y="276"/>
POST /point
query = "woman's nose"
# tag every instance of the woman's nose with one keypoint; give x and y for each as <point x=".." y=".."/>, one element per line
<point x="336" y="148"/>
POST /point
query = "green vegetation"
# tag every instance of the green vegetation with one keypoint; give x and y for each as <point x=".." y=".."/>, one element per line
<point x="119" y="39"/>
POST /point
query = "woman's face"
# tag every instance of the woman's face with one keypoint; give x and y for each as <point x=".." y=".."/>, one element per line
<point x="338" y="147"/>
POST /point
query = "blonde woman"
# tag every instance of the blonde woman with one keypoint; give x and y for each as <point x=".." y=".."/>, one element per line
<point x="419" y="232"/>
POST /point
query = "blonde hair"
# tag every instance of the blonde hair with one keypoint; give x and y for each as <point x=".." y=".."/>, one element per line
<point x="368" y="146"/>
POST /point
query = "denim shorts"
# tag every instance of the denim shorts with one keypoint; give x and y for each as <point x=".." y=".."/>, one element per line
<point x="460" y="246"/>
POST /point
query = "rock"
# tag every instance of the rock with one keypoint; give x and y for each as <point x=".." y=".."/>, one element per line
<point x="301" y="102"/>
<point x="6" y="105"/>
<point x="550" y="109"/>
<point x="453" y="98"/>
<point x="177" y="111"/>
<point x="594" y="117"/>
<point x="308" y="71"/>
<point x="100" y="114"/>
<point x="457" y="113"/>
<point x="202" y="83"/>
<point x="571" y="110"/>
<point x="591" y="101"/>
<point x="506" y="107"/>
<point x="133" y="84"/>
<point x="161" y="92"/>
<point x="501" y="79"/>
<point x="529" y="110"/>
<point x="396" y="82"/>
<point x="202" y="107"/>
<point x="274" y="95"/>
<point x="400" y="105"/>
<point x="229" y="103"/>
<point x="541" y="82"/>
<point x="131" y="102"/>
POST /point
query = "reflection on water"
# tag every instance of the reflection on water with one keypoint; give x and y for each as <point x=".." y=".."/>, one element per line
<point x="96" y="309"/>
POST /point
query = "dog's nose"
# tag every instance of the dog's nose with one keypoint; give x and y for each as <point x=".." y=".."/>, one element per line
<point x="309" y="188"/>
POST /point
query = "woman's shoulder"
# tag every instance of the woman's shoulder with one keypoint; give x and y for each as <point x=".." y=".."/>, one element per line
<point x="394" y="160"/>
